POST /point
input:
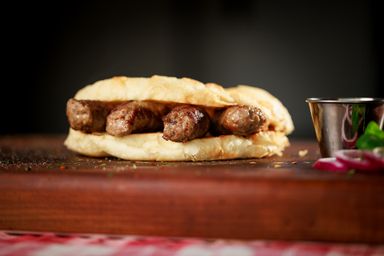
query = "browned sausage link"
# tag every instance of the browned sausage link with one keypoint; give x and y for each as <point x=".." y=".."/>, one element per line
<point x="88" y="115"/>
<point x="240" y="120"/>
<point x="135" y="117"/>
<point x="185" y="123"/>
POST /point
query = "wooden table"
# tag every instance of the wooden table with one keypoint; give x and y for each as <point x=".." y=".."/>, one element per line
<point x="44" y="187"/>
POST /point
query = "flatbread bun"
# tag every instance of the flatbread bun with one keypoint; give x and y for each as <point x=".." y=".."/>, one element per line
<point x="151" y="146"/>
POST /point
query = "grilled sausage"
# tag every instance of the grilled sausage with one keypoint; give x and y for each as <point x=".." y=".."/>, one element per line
<point x="135" y="117"/>
<point x="184" y="123"/>
<point x="88" y="115"/>
<point x="239" y="120"/>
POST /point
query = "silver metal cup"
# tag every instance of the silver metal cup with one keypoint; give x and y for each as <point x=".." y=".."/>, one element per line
<point x="339" y="122"/>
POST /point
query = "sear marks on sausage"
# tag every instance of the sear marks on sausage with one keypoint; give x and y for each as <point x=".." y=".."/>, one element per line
<point x="135" y="117"/>
<point x="185" y="122"/>
<point x="87" y="115"/>
<point x="239" y="120"/>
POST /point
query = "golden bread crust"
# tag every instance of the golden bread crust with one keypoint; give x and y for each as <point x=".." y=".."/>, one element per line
<point x="157" y="88"/>
<point x="151" y="146"/>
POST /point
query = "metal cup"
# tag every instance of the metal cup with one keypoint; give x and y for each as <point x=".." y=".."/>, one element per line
<point x="339" y="122"/>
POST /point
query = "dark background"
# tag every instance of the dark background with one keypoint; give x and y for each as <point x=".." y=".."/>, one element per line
<point x="294" y="49"/>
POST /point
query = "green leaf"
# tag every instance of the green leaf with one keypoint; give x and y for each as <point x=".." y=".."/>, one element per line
<point x="369" y="141"/>
<point x="374" y="129"/>
<point x="373" y="137"/>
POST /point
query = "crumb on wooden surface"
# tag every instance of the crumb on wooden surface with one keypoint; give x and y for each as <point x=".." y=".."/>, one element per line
<point x="303" y="152"/>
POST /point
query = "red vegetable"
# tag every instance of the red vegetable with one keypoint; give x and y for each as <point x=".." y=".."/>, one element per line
<point x="375" y="158"/>
<point x="355" y="159"/>
<point x="330" y="164"/>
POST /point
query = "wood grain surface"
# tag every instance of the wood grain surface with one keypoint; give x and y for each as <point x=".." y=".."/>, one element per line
<point x="44" y="187"/>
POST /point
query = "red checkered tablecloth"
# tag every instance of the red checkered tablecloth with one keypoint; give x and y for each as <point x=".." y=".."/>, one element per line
<point x="79" y="245"/>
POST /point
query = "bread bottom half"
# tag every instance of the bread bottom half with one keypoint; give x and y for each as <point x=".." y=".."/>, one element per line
<point x="152" y="147"/>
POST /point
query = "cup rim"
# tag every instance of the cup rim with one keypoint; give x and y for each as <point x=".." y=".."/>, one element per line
<point x="345" y="100"/>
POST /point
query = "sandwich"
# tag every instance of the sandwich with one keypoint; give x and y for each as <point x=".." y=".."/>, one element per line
<point x="175" y="119"/>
